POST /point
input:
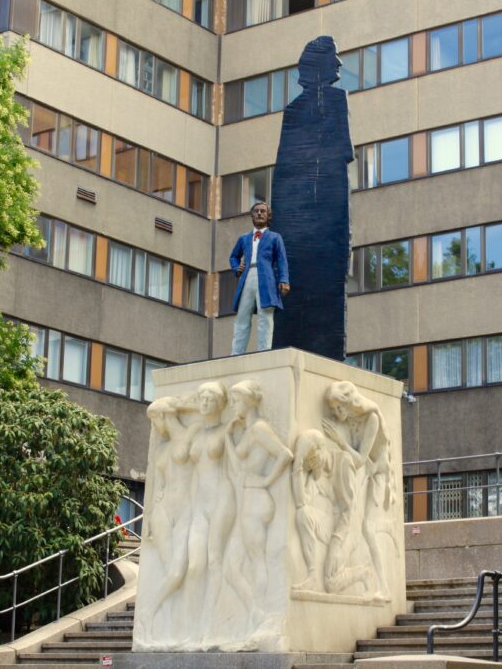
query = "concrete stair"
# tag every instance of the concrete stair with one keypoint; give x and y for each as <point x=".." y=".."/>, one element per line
<point x="434" y="602"/>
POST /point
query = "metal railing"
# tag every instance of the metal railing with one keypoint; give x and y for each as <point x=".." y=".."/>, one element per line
<point x="60" y="555"/>
<point x="495" y="576"/>
<point x="441" y="494"/>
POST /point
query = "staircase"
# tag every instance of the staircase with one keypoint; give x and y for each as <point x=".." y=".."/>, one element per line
<point x="443" y="602"/>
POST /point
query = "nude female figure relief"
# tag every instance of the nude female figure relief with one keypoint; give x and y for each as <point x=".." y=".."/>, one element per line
<point x="257" y="458"/>
<point x="358" y="427"/>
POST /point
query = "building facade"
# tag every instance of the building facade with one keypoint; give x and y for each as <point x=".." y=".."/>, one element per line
<point x="156" y="125"/>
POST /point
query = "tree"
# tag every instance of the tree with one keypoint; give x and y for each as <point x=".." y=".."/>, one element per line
<point x="18" y="188"/>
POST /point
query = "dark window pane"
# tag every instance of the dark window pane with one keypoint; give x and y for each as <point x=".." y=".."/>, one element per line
<point x="447" y="365"/>
<point x="493" y="246"/>
<point x="395" y="364"/>
<point x="24" y="17"/>
<point x="445" y="149"/>
<point x="491" y="27"/>
<point x="446" y="255"/>
<point x="227" y="286"/>
<point x="255" y="96"/>
<point x="86" y="146"/>
<point x="144" y="170"/>
<point x="196" y="195"/>
<point x="470" y="39"/>
<point x="116" y="371"/>
<point x="370" y="268"/>
<point x="395" y="264"/>
<point x="65" y="137"/>
<point x="233" y="101"/>
<point x="349" y="72"/>
<point x="125" y="162"/>
<point x="296" y="6"/>
<point x="43" y="128"/>
<point x="494" y="359"/>
<point x="443" y="48"/>
<point x="370" y="61"/>
<point x="294" y="88"/>
<point x="236" y="15"/>
<point x="162" y="177"/>
<point x="128" y="70"/>
<point x="394" y="160"/>
<point x="199" y="100"/>
<point x="278" y="83"/>
<point x="473" y="243"/>
<point x="371" y="362"/>
<point x="51" y="26"/>
<point x="394" y="60"/>
<point x="493" y="139"/>
<point x="202" y="13"/>
<point x="91" y="45"/>
<point x="167" y="82"/>
<point x="4" y="15"/>
<point x="231" y="187"/>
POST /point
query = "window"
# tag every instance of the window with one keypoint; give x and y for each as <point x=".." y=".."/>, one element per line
<point x="395" y="264"/>
<point x="278" y="86"/>
<point x="86" y="146"/>
<point x="51" y="26"/>
<point x="149" y="388"/>
<point x="394" y="160"/>
<point x="294" y="88"/>
<point x="91" y="45"/>
<point x="43" y="128"/>
<point x="394" y="60"/>
<point x="202" y="13"/>
<point x="162" y="177"/>
<point x="38" y="344"/>
<point x="53" y="354"/>
<point x="167" y="82"/>
<point x="370" y="268"/>
<point x="395" y="364"/>
<point x="125" y="158"/>
<point x="172" y="4"/>
<point x="349" y="72"/>
<point x="129" y="64"/>
<point x="353" y="275"/>
<point x="494" y="359"/>
<point x="493" y="139"/>
<point x="146" y="82"/>
<point x="258" y="11"/>
<point x="196" y="192"/>
<point x="370" y="62"/>
<point x="443" y="48"/>
<point x="491" y="28"/>
<point x="470" y="41"/>
<point x="159" y="279"/>
<point x="256" y="96"/>
<point x="65" y="137"/>
<point x="471" y="144"/>
<point x="116" y="363"/>
<point x="445" y="149"/>
<point x="446" y="365"/>
<point x="474" y="362"/>
<point x="120" y="266"/>
<point x="80" y="251"/>
<point x="193" y="292"/>
<point x="199" y="104"/>
<point x="493" y="247"/>
<point x="473" y="250"/>
<point x="231" y="191"/>
<point x="446" y="255"/>
<point x="256" y="188"/>
<point x="75" y="360"/>
<point x="226" y="290"/>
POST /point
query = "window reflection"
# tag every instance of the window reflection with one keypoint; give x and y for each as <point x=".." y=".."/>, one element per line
<point x="395" y="264"/>
<point x="446" y="255"/>
<point x="443" y="48"/>
<point x="394" y="60"/>
<point x="394" y="160"/>
<point x="445" y="149"/>
<point x="255" y="96"/>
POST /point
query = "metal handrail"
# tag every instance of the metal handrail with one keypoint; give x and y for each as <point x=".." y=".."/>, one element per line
<point x="59" y="555"/>
<point x="495" y="576"/>
<point x="474" y="456"/>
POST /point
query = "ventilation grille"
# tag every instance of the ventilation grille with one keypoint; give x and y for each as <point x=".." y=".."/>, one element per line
<point x="162" y="224"/>
<point x="87" y="195"/>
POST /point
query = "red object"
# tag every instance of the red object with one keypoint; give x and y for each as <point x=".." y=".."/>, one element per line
<point x="257" y="235"/>
<point x="118" y="520"/>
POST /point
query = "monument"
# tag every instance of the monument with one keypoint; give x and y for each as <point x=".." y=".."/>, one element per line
<point x="273" y="510"/>
<point x="310" y="202"/>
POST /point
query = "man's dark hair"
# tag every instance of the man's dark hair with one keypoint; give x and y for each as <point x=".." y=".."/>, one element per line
<point x="268" y="207"/>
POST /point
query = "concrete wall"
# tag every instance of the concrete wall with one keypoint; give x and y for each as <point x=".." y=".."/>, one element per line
<point x="452" y="548"/>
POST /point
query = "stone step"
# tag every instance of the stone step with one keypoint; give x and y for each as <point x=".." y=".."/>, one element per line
<point x="440" y="618"/>
<point x="471" y="654"/>
<point x="69" y="659"/>
<point x="420" y="631"/>
<point x="446" y="593"/>
<point x="322" y="659"/>
<point x="121" y="615"/>
<point x="91" y="645"/>
<point x="453" y="605"/>
<point x="440" y="643"/>
<point x="60" y="665"/>
<point x="116" y="635"/>
<point x="110" y="625"/>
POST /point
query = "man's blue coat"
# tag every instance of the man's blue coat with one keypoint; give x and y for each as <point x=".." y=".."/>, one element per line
<point x="271" y="263"/>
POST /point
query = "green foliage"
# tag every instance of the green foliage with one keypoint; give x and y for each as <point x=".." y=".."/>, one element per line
<point x="18" y="188"/>
<point x="57" y="460"/>
<point x="17" y="366"/>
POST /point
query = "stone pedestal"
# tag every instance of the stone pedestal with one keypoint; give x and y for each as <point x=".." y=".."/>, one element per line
<point x="273" y="507"/>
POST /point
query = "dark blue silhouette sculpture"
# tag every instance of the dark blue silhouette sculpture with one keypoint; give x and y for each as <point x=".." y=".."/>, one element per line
<point x="310" y="203"/>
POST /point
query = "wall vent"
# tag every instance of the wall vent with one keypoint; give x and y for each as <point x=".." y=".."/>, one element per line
<point x="162" y="224"/>
<point x="87" y="195"/>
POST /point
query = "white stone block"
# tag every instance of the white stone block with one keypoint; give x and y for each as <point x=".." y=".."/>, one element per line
<point x="273" y="506"/>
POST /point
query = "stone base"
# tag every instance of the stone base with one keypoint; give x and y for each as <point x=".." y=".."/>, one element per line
<point x="223" y="660"/>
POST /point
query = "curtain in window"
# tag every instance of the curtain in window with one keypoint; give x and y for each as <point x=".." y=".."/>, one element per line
<point x="120" y="266"/>
<point x="191" y="290"/>
<point x="494" y="353"/>
<point x="167" y="77"/>
<point x="258" y="11"/>
<point x="139" y="272"/>
<point x="53" y="354"/>
<point x="198" y="103"/>
<point x="116" y="372"/>
<point x="91" y="45"/>
<point x="75" y="360"/>
<point x="158" y="279"/>
<point x="150" y="366"/>
<point x="70" y="37"/>
<point x="474" y="362"/>
<point x="59" y="232"/>
<point x="135" y="383"/>
<point x="80" y="252"/>
<point x="50" y="25"/>
<point x="128" y="64"/>
<point x="447" y="365"/>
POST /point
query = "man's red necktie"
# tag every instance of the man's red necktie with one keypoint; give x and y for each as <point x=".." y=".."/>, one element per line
<point x="257" y="235"/>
